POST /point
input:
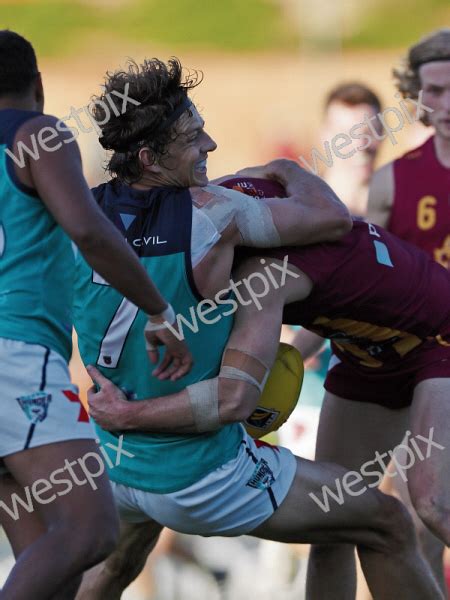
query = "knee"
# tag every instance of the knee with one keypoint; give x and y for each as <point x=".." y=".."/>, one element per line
<point x="106" y="536"/>
<point x="435" y="513"/>
<point x="96" y="539"/>
<point x="395" y="524"/>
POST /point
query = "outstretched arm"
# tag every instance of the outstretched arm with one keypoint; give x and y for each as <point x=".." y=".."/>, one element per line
<point x="311" y="213"/>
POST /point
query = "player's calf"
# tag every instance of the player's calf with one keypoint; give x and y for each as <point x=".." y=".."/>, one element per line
<point x="110" y="578"/>
<point x="435" y="513"/>
<point x="428" y="478"/>
<point x="405" y="568"/>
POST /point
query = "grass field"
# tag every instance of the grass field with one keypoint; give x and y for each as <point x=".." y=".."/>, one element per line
<point x="61" y="27"/>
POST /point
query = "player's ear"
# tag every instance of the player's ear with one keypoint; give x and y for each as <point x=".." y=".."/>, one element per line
<point x="148" y="160"/>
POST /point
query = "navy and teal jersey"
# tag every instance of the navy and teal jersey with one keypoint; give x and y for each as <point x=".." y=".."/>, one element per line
<point x="36" y="257"/>
<point x="157" y="225"/>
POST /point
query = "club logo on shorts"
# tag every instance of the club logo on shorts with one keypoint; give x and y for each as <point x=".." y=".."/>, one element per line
<point x="262" y="418"/>
<point x="262" y="477"/>
<point x="35" y="406"/>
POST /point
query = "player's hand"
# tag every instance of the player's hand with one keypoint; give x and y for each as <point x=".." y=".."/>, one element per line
<point x="177" y="361"/>
<point x="257" y="172"/>
<point x="278" y="170"/>
<point x="109" y="406"/>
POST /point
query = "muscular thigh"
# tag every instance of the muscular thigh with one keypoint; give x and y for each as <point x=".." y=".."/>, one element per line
<point x="20" y="532"/>
<point x="319" y="508"/>
<point x="350" y="432"/>
<point x="430" y="438"/>
<point x="63" y="479"/>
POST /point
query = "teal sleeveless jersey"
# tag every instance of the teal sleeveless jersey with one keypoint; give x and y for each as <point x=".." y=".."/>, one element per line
<point x="157" y="224"/>
<point x="36" y="258"/>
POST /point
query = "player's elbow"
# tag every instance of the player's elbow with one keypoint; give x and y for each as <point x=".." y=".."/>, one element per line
<point x="89" y="240"/>
<point x="84" y="237"/>
<point x="237" y="400"/>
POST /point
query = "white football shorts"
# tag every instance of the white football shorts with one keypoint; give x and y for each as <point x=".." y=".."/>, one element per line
<point x="39" y="404"/>
<point x="230" y="501"/>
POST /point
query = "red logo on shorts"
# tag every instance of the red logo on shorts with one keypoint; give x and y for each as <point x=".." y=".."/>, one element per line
<point x="261" y="444"/>
<point x="83" y="417"/>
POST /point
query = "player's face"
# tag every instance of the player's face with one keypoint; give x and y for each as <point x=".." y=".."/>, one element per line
<point x="340" y="119"/>
<point x="187" y="164"/>
<point x="435" y="82"/>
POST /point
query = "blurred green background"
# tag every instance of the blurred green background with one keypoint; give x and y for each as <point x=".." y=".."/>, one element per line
<point x="61" y="27"/>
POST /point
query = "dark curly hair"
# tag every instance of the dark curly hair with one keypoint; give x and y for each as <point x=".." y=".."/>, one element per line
<point x="435" y="46"/>
<point x="160" y="89"/>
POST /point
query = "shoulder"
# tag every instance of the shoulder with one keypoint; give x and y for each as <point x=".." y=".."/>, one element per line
<point x="43" y="129"/>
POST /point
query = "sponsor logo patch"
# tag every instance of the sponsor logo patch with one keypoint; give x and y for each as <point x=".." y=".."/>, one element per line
<point x="262" y="417"/>
<point x="262" y="477"/>
<point x="35" y="406"/>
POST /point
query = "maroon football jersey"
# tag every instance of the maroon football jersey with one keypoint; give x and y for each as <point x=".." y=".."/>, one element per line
<point x="376" y="297"/>
<point x="421" y="209"/>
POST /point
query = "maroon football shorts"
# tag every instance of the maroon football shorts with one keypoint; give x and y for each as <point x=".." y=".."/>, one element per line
<point x="391" y="387"/>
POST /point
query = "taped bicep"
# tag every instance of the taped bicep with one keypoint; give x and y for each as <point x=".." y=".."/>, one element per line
<point x="253" y="217"/>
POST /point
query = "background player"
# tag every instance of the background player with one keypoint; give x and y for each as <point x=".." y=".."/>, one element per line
<point x="410" y="196"/>
<point x="346" y="105"/>
<point x="43" y="424"/>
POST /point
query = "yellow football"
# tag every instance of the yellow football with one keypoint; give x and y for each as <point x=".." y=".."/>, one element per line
<point x="280" y="394"/>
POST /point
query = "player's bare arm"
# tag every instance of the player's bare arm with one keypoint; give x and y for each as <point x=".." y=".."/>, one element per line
<point x="311" y="213"/>
<point x="307" y="343"/>
<point x="58" y="178"/>
<point x="381" y="196"/>
<point x="255" y="334"/>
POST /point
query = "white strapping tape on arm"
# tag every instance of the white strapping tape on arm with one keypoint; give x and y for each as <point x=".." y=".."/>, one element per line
<point x="253" y="217"/>
<point x="166" y="317"/>
<point x="234" y="373"/>
<point x="204" y="399"/>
